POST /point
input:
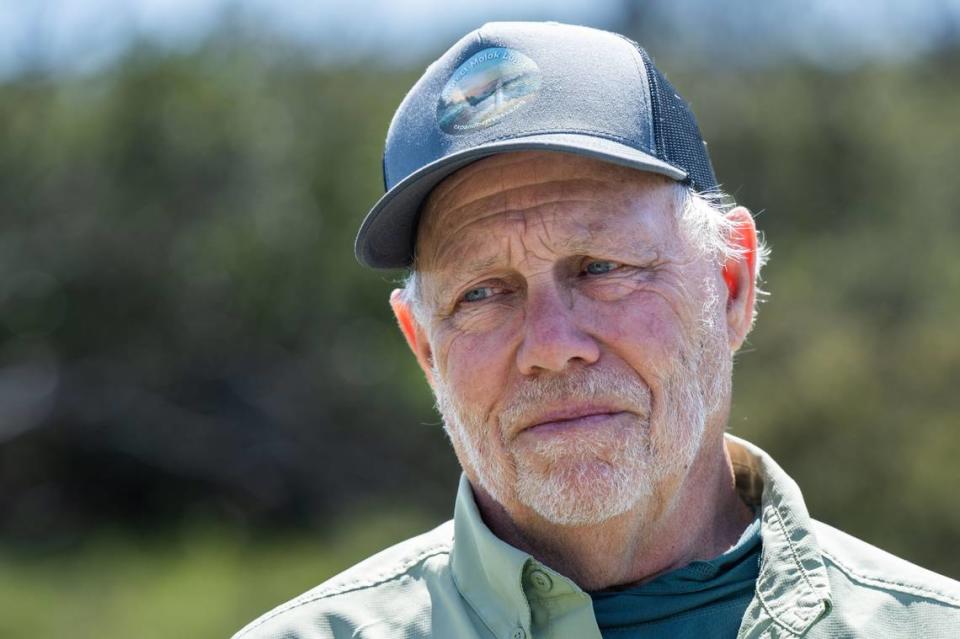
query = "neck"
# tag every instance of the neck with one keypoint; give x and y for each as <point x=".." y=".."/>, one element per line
<point x="701" y="519"/>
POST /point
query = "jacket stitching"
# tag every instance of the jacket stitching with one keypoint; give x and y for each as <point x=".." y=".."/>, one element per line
<point x="803" y="573"/>
<point x="906" y="588"/>
<point x="793" y="549"/>
<point x="774" y="618"/>
<point x="351" y="586"/>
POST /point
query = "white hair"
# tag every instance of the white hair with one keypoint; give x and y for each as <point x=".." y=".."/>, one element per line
<point x="702" y="220"/>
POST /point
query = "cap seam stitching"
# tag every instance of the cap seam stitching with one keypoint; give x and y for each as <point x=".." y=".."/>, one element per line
<point x="641" y="74"/>
<point x="655" y="108"/>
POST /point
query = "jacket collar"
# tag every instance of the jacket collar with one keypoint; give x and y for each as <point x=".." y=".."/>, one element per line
<point x="793" y="589"/>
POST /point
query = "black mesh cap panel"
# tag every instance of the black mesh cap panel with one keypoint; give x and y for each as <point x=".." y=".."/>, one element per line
<point x="678" y="137"/>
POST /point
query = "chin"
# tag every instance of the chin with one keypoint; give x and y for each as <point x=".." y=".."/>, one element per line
<point x="581" y="493"/>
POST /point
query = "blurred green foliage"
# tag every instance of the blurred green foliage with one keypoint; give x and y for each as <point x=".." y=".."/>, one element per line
<point x="206" y="582"/>
<point x="185" y="336"/>
<point x="851" y="372"/>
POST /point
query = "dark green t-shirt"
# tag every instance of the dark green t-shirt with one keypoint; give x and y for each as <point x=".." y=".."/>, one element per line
<point x="702" y="599"/>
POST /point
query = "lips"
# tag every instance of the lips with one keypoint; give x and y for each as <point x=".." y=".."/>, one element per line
<point x="580" y="415"/>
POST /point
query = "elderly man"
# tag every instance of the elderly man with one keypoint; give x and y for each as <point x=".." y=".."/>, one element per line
<point x="578" y="286"/>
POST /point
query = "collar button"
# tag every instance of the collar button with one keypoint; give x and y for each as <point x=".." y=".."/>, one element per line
<point x="541" y="580"/>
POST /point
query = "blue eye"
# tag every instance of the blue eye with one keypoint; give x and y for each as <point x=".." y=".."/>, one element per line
<point x="599" y="267"/>
<point x="476" y="294"/>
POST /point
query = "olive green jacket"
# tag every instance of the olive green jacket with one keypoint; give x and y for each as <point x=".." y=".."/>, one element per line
<point x="460" y="581"/>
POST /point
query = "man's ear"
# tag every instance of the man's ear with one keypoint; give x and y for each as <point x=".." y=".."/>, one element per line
<point x="415" y="335"/>
<point x="740" y="275"/>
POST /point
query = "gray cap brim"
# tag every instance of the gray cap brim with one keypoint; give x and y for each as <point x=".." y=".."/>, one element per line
<point x="388" y="234"/>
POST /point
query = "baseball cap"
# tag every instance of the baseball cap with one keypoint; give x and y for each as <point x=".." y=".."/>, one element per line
<point x="512" y="86"/>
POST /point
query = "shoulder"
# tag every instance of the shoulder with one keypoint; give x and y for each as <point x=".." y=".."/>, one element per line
<point x="876" y="594"/>
<point x="393" y="584"/>
<point x="872" y="567"/>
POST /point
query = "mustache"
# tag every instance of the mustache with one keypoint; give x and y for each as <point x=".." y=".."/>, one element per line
<point x="608" y="387"/>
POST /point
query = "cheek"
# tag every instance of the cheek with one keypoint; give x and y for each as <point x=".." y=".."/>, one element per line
<point x="645" y="332"/>
<point x="478" y="364"/>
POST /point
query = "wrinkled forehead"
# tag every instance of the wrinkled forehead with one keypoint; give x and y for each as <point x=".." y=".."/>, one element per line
<point x="501" y="191"/>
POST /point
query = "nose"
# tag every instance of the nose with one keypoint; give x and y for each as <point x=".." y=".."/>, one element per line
<point x="553" y="339"/>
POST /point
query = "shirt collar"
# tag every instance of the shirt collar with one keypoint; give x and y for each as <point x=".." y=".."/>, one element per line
<point x="487" y="570"/>
<point x="515" y="595"/>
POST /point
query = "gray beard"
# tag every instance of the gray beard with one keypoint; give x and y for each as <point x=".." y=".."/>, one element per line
<point x="579" y="480"/>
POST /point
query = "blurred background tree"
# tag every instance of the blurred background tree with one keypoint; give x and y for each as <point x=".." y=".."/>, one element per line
<point x="204" y="405"/>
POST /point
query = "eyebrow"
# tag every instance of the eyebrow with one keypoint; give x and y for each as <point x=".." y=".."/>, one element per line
<point x="464" y="269"/>
<point x="584" y="243"/>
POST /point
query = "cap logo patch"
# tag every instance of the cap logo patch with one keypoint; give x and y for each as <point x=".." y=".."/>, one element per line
<point x="490" y="85"/>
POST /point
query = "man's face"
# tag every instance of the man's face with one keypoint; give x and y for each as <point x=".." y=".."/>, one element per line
<point x="577" y="341"/>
